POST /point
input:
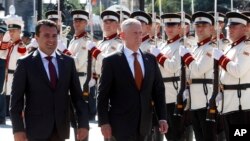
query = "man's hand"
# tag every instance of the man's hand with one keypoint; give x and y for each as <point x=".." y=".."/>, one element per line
<point x="155" y="51"/>
<point x="163" y="126"/>
<point x="82" y="133"/>
<point x="90" y="45"/>
<point x="217" y="53"/>
<point x="92" y="82"/>
<point x="106" y="131"/>
<point x="20" y="136"/>
<point x="183" y="51"/>
<point x="5" y="44"/>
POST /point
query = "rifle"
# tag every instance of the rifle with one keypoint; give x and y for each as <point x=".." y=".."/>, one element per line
<point x="212" y="108"/>
<point x="179" y="107"/>
<point x="89" y="65"/>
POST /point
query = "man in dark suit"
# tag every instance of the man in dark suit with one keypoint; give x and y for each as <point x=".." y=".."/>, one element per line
<point x="41" y="86"/>
<point x="130" y="82"/>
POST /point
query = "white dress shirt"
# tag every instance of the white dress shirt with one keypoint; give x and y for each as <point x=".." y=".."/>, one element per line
<point x="130" y="58"/>
<point x="46" y="62"/>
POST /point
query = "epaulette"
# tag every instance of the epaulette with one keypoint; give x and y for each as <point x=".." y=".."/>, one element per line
<point x="213" y="44"/>
<point x="118" y="39"/>
<point x="87" y="36"/>
<point x="151" y="41"/>
<point x="225" y="40"/>
<point x="181" y="41"/>
<point x="247" y="41"/>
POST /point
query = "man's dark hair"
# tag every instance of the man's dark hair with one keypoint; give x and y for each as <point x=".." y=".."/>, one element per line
<point x="48" y="23"/>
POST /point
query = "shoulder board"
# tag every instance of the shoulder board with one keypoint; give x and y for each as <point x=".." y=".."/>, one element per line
<point x="150" y="41"/>
<point x="213" y="44"/>
<point x="225" y="40"/>
<point x="247" y="41"/>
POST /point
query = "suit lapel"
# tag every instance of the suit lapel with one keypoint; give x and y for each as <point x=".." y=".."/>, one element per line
<point x="40" y="67"/>
<point x="146" y="69"/>
<point x="60" y="63"/>
<point x="126" y="69"/>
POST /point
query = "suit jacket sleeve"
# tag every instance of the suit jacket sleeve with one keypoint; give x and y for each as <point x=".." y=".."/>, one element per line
<point x="104" y="92"/>
<point x="159" y="94"/>
<point x="80" y="105"/>
<point x="17" y="97"/>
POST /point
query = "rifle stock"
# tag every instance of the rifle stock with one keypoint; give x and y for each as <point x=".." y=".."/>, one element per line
<point x="212" y="109"/>
<point x="179" y="107"/>
<point x="89" y="73"/>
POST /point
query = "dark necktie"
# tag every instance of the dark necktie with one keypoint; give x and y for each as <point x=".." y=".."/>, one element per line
<point x="52" y="72"/>
<point x="138" y="72"/>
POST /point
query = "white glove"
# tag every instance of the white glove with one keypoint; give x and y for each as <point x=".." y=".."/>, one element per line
<point x="218" y="97"/>
<point x="6" y="37"/>
<point x="33" y="43"/>
<point x="217" y="53"/>
<point x="5" y="44"/>
<point x="92" y="82"/>
<point x="183" y="51"/>
<point x="61" y="46"/>
<point x="90" y="45"/>
<point x="155" y="51"/>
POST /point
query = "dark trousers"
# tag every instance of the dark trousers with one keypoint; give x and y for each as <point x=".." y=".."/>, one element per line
<point x="53" y="137"/>
<point x="203" y="130"/>
<point x="239" y="117"/>
<point x="175" y="123"/>
<point x="92" y="103"/>
<point x="2" y="96"/>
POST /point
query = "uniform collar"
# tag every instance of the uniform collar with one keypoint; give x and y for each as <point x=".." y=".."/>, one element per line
<point x="238" y="41"/>
<point x="145" y="38"/>
<point x="17" y="42"/>
<point x="110" y="37"/>
<point x="173" y="39"/>
<point x="203" y="42"/>
<point x="81" y="35"/>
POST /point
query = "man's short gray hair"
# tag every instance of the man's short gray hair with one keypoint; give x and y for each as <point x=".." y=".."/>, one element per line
<point x="128" y="22"/>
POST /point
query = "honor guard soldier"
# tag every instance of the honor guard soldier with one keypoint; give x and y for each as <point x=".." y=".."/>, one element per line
<point x="200" y="65"/>
<point x="223" y="41"/>
<point x="146" y="23"/>
<point x="78" y="48"/>
<point x="111" y="41"/>
<point x="14" y="50"/>
<point x="77" y="45"/>
<point x="169" y="59"/>
<point x="247" y="13"/>
<point x="235" y="73"/>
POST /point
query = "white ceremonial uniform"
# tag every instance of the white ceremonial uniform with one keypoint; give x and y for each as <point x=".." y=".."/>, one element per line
<point x="237" y="72"/>
<point x="171" y="68"/>
<point x="17" y="51"/>
<point x="107" y="47"/>
<point x="201" y="68"/>
<point x="77" y="47"/>
<point x="146" y="44"/>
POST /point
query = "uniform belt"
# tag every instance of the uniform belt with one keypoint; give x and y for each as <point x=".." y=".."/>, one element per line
<point x="11" y="71"/>
<point x="201" y="81"/>
<point x="81" y="73"/>
<point x="236" y="87"/>
<point x="171" y="79"/>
